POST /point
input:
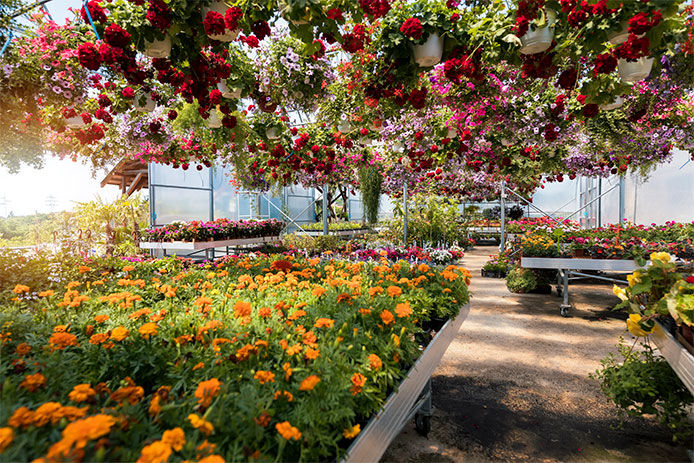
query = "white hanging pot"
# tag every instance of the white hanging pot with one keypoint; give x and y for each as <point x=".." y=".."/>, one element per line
<point x="617" y="103"/>
<point x="228" y="92"/>
<point x="620" y="36"/>
<point x="228" y="36"/>
<point x="214" y="122"/>
<point x="158" y="48"/>
<point x="634" y="71"/>
<point x="452" y="133"/>
<point x="344" y="126"/>
<point x="429" y="53"/>
<point x="271" y="133"/>
<point x="147" y="106"/>
<point x="75" y="122"/>
<point x="538" y="40"/>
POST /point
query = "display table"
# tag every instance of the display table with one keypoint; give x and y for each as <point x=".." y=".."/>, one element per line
<point x="569" y="269"/>
<point x="347" y="233"/>
<point x="208" y="247"/>
<point x="412" y="399"/>
<point x="677" y="356"/>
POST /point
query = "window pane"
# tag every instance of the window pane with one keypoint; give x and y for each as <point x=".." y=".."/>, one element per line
<point x="172" y="204"/>
<point x="167" y="175"/>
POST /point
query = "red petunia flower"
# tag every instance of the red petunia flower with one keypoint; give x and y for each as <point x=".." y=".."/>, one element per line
<point x="412" y="28"/>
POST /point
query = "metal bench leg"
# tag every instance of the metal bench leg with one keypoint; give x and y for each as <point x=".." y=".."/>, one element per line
<point x="564" y="308"/>
<point x="422" y="420"/>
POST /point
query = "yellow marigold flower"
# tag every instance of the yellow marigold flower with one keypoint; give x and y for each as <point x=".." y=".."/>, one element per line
<point x="403" y="310"/>
<point x="634" y="327"/>
<point x="156" y="452"/>
<point x="33" y="382"/>
<point x="352" y="432"/>
<point x="309" y="383"/>
<point x="148" y="329"/>
<point x="375" y="361"/>
<point x="661" y="256"/>
<point x="82" y="393"/>
<point x="387" y="317"/>
<point x="264" y="376"/>
<point x="206" y="391"/>
<point x="19" y="289"/>
<point x="120" y="333"/>
<point x="242" y="309"/>
<point x="47" y="293"/>
<point x="620" y="292"/>
<point x="201" y="424"/>
<point x="288" y="431"/>
<point x="394" y="291"/>
<point x="324" y="322"/>
<point x="634" y="278"/>
<point x="6" y="437"/>
<point x="175" y="437"/>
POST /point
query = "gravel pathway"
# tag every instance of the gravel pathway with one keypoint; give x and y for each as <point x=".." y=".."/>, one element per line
<point x="514" y="386"/>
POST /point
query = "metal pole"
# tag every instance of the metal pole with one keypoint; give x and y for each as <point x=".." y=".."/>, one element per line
<point x="502" y="202"/>
<point x="621" y="200"/>
<point x="404" y="217"/>
<point x="600" y="202"/>
<point x="325" y="209"/>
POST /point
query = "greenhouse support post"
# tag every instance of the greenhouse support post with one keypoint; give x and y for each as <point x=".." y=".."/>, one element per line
<point x="7" y="43"/>
<point x="325" y="209"/>
<point x="502" y="202"/>
<point x="599" y="202"/>
<point x="621" y="199"/>
<point x="404" y="216"/>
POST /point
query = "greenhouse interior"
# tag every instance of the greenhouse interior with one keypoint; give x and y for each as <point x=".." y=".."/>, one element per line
<point x="346" y="231"/>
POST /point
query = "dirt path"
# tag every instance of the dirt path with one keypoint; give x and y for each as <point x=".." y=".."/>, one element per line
<point x="514" y="386"/>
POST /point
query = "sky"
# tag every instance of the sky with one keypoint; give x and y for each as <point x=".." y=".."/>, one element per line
<point x="60" y="183"/>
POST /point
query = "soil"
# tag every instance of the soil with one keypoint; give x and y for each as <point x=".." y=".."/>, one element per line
<point x="514" y="385"/>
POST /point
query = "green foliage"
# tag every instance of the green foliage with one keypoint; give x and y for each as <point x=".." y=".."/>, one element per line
<point x="312" y="244"/>
<point x="641" y="383"/>
<point x="370" y="181"/>
<point x="431" y="220"/>
<point x="521" y="280"/>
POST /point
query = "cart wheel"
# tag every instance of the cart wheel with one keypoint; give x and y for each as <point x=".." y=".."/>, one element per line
<point x="564" y="311"/>
<point x="423" y="424"/>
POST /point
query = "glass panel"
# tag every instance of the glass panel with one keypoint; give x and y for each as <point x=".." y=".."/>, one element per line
<point x="244" y="205"/>
<point x="297" y="205"/>
<point x="225" y="196"/>
<point x="167" y="175"/>
<point x="172" y="204"/>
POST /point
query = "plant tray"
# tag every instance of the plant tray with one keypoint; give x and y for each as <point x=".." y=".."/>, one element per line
<point x="562" y="263"/>
<point x="677" y="355"/>
<point x="349" y="232"/>
<point x="200" y="245"/>
<point x="382" y="428"/>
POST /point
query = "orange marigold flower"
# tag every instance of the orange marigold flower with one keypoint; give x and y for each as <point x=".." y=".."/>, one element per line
<point x="98" y="338"/>
<point x="82" y="393"/>
<point x="309" y="383"/>
<point x="201" y="424"/>
<point x="288" y="431"/>
<point x="352" y="432"/>
<point x="140" y="313"/>
<point x="148" y="329"/>
<point x="287" y="371"/>
<point x="198" y="366"/>
<point x="119" y="333"/>
<point x="60" y="340"/>
<point x="156" y="452"/>
<point x="46" y="413"/>
<point x="403" y="310"/>
<point x="318" y="291"/>
<point x="23" y="349"/>
<point x="212" y="459"/>
<point x="175" y="437"/>
<point x="79" y="432"/>
<point x="265" y="312"/>
<point x="394" y="291"/>
<point x="47" y="293"/>
<point x="312" y="354"/>
<point x="375" y="362"/>
<point x="133" y="394"/>
<point x="206" y="391"/>
<point x="344" y="297"/>
<point x="288" y="395"/>
<point x="424" y="268"/>
<point x="281" y="265"/>
<point x="72" y="413"/>
<point x="183" y="339"/>
<point x="263" y="420"/>
<point x="324" y="322"/>
<point x="448" y="275"/>
<point x="83" y="269"/>
<point x="19" y="289"/>
<point x="358" y="381"/>
<point x="128" y="268"/>
<point x="6" y="437"/>
<point x="33" y="382"/>
<point x="375" y="290"/>
<point x="264" y="376"/>
<point x="155" y="405"/>
<point x="387" y="317"/>
<point x="242" y="309"/>
<point x="101" y="318"/>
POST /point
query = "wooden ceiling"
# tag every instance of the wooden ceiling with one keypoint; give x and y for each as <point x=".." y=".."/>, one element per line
<point x="129" y="175"/>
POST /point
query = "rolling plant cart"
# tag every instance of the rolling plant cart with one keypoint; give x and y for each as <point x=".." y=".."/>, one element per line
<point x="570" y="269"/>
<point x="412" y="399"/>
<point x="208" y="247"/>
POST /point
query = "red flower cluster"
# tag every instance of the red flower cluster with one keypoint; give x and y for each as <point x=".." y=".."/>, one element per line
<point x="375" y="8"/>
<point x="590" y="110"/>
<point x="538" y="66"/>
<point x="89" y="136"/>
<point x="354" y="41"/>
<point x="550" y="134"/>
<point x="214" y="23"/>
<point x="252" y="41"/>
<point x="159" y="14"/>
<point x="412" y="28"/>
<point x="88" y="56"/>
<point x="261" y="29"/>
<point x="103" y="115"/>
<point x="526" y="12"/>
<point x="642" y="22"/>
<point x="418" y="97"/>
<point x="604" y="64"/>
<point x="567" y="79"/>
<point x="335" y="14"/>
<point x="634" y="48"/>
<point x="116" y="36"/>
<point x="460" y="65"/>
<point x="95" y="11"/>
<point x="232" y="17"/>
<point x="229" y="122"/>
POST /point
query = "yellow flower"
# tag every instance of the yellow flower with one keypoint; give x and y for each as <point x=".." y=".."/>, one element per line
<point x="661" y="256"/>
<point x="156" y="452"/>
<point x="634" y="327"/>
<point x="620" y="292"/>
<point x="288" y="431"/>
<point x="175" y="437"/>
<point x="352" y="432"/>
<point x="6" y="436"/>
<point x="634" y="278"/>
<point x="120" y="333"/>
<point x="201" y="424"/>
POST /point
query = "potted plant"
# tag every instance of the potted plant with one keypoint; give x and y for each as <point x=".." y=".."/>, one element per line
<point x="539" y="34"/>
<point x="158" y="47"/>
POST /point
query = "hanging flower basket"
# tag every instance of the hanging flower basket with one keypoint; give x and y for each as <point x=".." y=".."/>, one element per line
<point x="429" y="53"/>
<point x="75" y="122"/>
<point x="144" y="103"/>
<point x="539" y="40"/>
<point x="452" y="133"/>
<point x="158" y="48"/>
<point x="221" y="8"/>
<point x="617" y="103"/>
<point x="214" y="122"/>
<point x="620" y="36"/>
<point x="271" y="133"/>
<point x="228" y="92"/>
<point x="634" y="71"/>
<point x="344" y="126"/>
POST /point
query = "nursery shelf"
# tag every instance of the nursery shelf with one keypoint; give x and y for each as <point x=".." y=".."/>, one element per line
<point x="403" y="404"/>
<point x="352" y="232"/>
<point x="677" y="356"/>
<point x="201" y="245"/>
